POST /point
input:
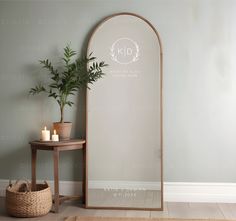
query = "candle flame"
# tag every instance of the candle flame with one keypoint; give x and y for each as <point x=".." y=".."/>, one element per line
<point x="45" y="128"/>
<point x="55" y="132"/>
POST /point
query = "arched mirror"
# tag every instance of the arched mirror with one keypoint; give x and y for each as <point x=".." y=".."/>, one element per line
<point x="124" y="117"/>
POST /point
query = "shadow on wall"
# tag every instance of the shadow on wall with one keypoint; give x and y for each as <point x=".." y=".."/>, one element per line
<point x="80" y="124"/>
<point x="19" y="126"/>
<point x="80" y="127"/>
<point x="15" y="159"/>
<point x="18" y="163"/>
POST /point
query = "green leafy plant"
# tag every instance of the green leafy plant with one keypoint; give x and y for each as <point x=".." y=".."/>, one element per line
<point x="76" y="74"/>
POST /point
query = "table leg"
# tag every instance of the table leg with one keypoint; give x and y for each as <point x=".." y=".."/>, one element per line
<point x="84" y="173"/>
<point x="33" y="167"/>
<point x="56" y="179"/>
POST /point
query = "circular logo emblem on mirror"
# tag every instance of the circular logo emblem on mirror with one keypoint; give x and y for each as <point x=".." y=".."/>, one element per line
<point x="124" y="51"/>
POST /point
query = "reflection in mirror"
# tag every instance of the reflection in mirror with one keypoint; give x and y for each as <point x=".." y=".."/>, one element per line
<point x="124" y="117"/>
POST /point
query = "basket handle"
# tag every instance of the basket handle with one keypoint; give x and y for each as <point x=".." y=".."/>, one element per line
<point x="46" y="183"/>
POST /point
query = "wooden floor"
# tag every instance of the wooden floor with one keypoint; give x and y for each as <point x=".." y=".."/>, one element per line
<point x="173" y="210"/>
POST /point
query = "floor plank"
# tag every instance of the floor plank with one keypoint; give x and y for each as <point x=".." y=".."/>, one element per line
<point x="138" y="213"/>
<point x="226" y="210"/>
<point x="111" y="213"/>
<point x="205" y="211"/>
<point x="160" y="214"/>
<point x="229" y="210"/>
<point x="178" y="210"/>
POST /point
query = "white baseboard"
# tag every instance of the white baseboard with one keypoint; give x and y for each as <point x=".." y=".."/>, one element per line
<point x="200" y="192"/>
<point x="173" y="191"/>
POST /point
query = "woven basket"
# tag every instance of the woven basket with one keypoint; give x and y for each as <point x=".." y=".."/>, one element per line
<point x="22" y="202"/>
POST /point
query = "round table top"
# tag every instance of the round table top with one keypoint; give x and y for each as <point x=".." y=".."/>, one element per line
<point x="57" y="143"/>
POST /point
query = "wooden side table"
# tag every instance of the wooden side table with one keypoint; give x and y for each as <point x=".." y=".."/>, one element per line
<point x="56" y="147"/>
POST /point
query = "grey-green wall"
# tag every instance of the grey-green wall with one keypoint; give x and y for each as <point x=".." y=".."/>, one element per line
<point x="199" y="46"/>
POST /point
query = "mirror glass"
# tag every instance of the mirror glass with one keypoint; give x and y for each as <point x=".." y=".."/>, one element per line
<point x="124" y="124"/>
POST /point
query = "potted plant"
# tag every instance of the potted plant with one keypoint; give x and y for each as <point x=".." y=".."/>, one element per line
<point x="66" y="81"/>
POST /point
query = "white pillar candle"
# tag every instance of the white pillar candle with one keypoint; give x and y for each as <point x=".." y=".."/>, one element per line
<point x="55" y="136"/>
<point x="45" y="135"/>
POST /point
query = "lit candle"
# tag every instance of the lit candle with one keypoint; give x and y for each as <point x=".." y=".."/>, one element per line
<point x="45" y="136"/>
<point x="55" y="136"/>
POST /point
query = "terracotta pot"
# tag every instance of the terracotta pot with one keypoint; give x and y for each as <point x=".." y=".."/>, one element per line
<point x="63" y="130"/>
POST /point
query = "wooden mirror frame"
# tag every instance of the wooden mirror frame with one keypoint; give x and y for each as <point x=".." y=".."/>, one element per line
<point x="161" y="116"/>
